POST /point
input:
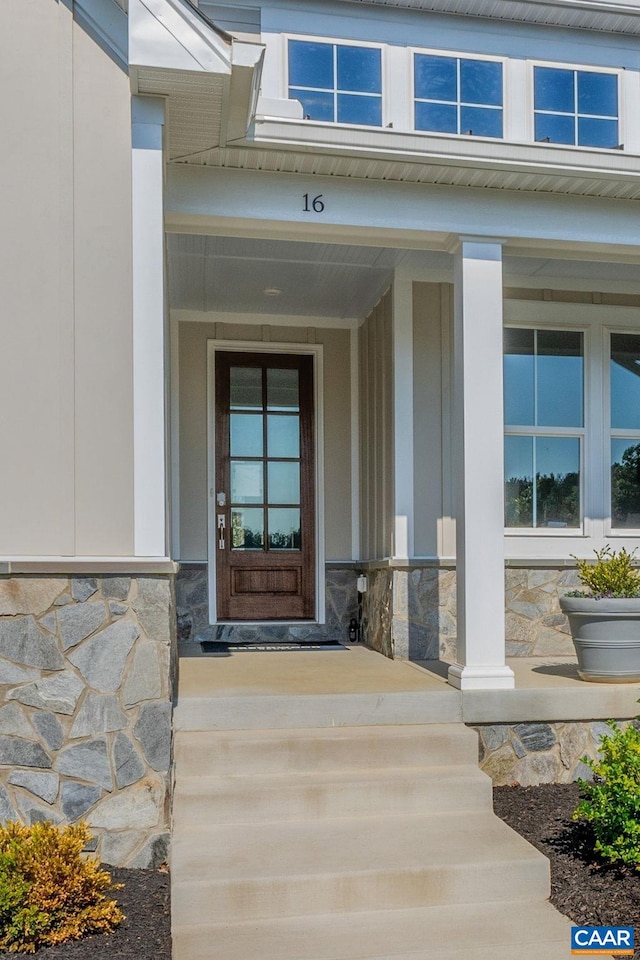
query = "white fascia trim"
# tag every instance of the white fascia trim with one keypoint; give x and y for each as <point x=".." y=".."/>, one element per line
<point x="450" y="149"/>
<point x="262" y="319"/>
<point x="106" y="21"/>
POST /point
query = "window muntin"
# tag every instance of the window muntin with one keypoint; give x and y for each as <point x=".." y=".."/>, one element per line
<point x="336" y="83"/>
<point x="624" y="391"/>
<point x="578" y="107"/>
<point x="458" y="95"/>
<point x="544" y="427"/>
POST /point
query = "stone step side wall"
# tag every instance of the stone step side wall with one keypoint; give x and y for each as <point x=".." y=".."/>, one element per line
<point x="192" y="603"/>
<point x="410" y="612"/>
<point x="532" y="753"/>
<point x="86" y="684"/>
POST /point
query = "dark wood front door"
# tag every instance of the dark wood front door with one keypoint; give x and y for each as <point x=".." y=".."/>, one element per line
<point x="265" y="523"/>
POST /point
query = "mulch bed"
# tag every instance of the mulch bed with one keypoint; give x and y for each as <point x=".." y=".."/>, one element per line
<point x="583" y="887"/>
<point x="144" y="935"/>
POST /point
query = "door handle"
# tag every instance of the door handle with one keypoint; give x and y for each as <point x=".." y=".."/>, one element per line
<point x="221" y="525"/>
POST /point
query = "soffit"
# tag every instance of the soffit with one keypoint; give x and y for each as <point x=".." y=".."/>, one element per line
<point x="591" y="15"/>
<point x="452" y="173"/>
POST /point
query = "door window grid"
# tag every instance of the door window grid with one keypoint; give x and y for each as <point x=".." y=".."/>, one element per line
<point x="334" y="97"/>
<point x="561" y="98"/>
<point x="260" y="520"/>
<point x="452" y="112"/>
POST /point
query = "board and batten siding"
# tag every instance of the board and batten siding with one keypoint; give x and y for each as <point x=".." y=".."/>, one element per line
<point x="376" y="431"/>
<point x="193" y="337"/>
<point x="66" y="391"/>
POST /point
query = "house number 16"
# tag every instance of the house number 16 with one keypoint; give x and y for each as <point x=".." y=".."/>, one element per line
<point x="313" y="204"/>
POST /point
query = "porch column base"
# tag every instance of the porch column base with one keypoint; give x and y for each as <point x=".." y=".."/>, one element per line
<point x="494" y="677"/>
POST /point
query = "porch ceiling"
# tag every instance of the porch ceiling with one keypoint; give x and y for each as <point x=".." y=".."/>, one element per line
<point x="238" y="276"/>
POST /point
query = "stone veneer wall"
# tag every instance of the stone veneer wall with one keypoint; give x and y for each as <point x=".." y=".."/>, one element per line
<point x="86" y="676"/>
<point x="410" y="612"/>
<point x="533" y="753"/>
<point x="192" y="604"/>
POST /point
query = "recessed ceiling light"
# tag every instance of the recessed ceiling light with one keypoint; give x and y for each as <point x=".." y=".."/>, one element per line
<point x="272" y="292"/>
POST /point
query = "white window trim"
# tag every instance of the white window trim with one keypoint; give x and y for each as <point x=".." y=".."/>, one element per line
<point x="619" y="72"/>
<point x="597" y="321"/>
<point x="610" y="433"/>
<point x="428" y="52"/>
<point x="316" y="351"/>
<point x="339" y="42"/>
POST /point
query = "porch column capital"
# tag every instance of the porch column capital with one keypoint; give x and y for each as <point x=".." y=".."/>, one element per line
<point x="478" y="466"/>
<point x="149" y="312"/>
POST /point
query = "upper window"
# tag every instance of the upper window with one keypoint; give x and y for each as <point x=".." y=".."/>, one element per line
<point x="458" y="95"/>
<point x="544" y="427"/>
<point x="336" y="83"/>
<point x="576" y="106"/>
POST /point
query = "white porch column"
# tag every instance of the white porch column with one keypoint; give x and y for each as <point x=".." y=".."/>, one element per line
<point x="478" y="467"/>
<point x="402" y="338"/>
<point x="149" y="432"/>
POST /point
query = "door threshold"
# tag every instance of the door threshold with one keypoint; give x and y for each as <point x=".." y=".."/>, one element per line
<point x="267" y="623"/>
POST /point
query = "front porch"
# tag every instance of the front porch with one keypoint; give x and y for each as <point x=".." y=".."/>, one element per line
<point x="536" y="732"/>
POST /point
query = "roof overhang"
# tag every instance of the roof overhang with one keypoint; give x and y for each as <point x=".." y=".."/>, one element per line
<point x="206" y="75"/>
<point x="603" y="15"/>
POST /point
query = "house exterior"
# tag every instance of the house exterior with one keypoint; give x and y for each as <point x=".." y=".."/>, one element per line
<point x="296" y="294"/>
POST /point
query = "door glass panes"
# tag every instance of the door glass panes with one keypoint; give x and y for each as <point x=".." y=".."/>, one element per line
<point x="625" y="483"/>
<point x="284" y="529"/>
<point x="553" y="500"/>
<point x="543" y="389"/>
<point x="246" y="388"/>
<point x="625" y="381"/>
<point x="458" y="95"/>
<point x="265" y="479"/>
<point x="284" y="482"/>
<point x="282" y="390"/>
<point x="576" y="107"/>
<point x="247" y="484"/>
<point x="337" y="83"/>
<point x="246" y="435"/>
<point x="624" y="372"/>
<point x="283" y="436"/>
<point x="247" y="529"/>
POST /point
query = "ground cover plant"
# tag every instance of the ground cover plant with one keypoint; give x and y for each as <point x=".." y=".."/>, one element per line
<point x="49" y="893"/>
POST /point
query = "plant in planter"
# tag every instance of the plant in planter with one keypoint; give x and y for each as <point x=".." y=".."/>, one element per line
<point x="605" y="618"/>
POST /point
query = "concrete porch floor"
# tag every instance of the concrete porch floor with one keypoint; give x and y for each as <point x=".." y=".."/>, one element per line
<point x="356" y="685"/>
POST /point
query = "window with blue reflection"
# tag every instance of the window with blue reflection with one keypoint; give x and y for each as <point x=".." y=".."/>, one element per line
<point x="336" y="83"/>
<point x="458" y="95"/>
<point x="576" y="107"/>
<point x="543" y="388"/>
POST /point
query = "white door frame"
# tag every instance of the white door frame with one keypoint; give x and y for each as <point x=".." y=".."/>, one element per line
<point x="314" y="350"/>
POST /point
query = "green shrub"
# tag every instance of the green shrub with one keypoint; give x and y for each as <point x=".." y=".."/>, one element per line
<point x="49" y="893"/>
<point x="612" y="575"/>
<point x="611" y="804"/>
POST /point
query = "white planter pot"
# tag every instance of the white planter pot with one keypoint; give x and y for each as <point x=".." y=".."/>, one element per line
<point x="606" y="635"/>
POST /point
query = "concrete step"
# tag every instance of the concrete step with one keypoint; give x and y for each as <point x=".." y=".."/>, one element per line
<point x="219" y="753"/>
<point x="484" y="931"/>
<point x="199" y="801"/>
<point x="250" y="871"/>
<point x="284" y="711"/>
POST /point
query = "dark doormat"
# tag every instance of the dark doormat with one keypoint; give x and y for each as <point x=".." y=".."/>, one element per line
<point x="223" y="646"/>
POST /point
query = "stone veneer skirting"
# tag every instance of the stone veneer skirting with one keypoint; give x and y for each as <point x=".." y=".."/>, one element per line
<point x="410" y="612"/>
<point x="86" y="676"/>
<point x="533" y="753"/>
<point x="192" y="602"/>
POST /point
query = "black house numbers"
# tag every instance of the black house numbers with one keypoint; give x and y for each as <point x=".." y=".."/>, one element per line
<point x="312" y="204"/>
